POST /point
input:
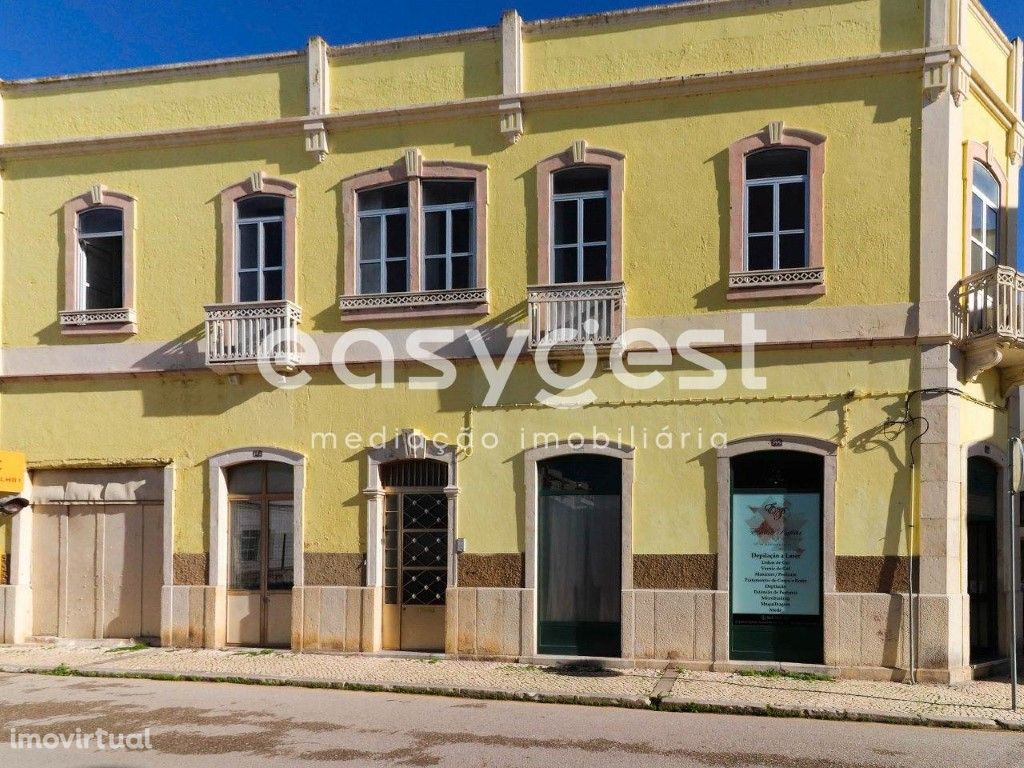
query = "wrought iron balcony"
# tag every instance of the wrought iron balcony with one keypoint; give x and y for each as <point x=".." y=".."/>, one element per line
<point x="571" y="314"/>
<point x="241" y="335"/>
<point x="988" y="321"/>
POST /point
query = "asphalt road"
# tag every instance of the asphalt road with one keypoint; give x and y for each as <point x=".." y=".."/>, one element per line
<point x="215" y="724"/>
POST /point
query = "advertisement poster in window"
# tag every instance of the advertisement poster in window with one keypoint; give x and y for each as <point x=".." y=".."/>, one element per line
<point x="776" y="561"/>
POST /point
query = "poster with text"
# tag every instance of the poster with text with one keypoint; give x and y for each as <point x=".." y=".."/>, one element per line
<point x="776" y="554"/>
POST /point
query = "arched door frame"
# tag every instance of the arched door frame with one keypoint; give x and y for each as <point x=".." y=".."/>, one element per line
<point x="532" y="457"/>
<point x="219" y="534"/>
<point x="803" y="444"/>
<point x="986" y="449"/>
<point x="407" y="444"/>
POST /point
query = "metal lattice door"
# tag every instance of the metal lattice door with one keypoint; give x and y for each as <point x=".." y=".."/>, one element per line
<point x="416" y="570"/>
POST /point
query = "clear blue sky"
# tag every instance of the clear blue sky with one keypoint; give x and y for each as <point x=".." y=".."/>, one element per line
<point x="50" y="37"/>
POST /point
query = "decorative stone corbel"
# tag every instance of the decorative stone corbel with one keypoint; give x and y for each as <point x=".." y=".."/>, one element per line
<point x="256" y="181"/>
<point x="316" y="140"/>
<point x="96" y="194"/>
<point x="318" y="96"/>
<point x="579" y="151"/>
<point x="775" y="130"/>
<point x="413" y="162"/>
<point x="1015" y="145"/>
<point x="936" y="79"/>
<point x="511" y="122"/>
<point x="960" y="80"/>
<point x="978" y="359"/>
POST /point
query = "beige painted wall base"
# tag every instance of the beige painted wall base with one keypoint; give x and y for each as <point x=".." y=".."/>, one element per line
<point x="15" y="612"/>
<point x="334" y="618"/>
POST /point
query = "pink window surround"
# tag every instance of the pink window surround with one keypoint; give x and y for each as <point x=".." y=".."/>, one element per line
<point x="580" y="154"/>
<point x="257" y="184"/>
<point x="767" y="284"/>
<point x="75" y="319"/>
<point x="975" y="151"/>
<point x="416" y="302"/>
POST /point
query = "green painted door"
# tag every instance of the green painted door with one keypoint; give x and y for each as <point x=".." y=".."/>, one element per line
<point x="579" y="556"/>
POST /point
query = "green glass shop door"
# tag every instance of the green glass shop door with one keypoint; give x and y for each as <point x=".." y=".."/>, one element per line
<point x="776" y="557"/>
<point x="579" y="556"/>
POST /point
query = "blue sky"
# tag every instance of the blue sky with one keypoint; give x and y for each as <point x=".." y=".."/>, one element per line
<point x="49" y="37"/>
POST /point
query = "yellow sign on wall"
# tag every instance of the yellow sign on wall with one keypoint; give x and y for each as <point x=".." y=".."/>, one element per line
<point x="12" y="471"/>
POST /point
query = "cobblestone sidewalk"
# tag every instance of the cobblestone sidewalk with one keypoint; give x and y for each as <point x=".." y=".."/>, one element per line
<point x="983" y="704"/>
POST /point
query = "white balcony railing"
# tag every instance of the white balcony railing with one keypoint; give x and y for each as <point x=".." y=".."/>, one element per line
<point x="990" y="303"/>
<point x="570" y="314"/>
<point x="245" y="333"/>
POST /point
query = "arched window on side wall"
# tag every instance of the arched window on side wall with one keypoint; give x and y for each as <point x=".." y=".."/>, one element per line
<point x="986" y="213"/>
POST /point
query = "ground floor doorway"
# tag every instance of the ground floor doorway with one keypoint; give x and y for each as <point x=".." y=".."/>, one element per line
<point x="579" y="556"/>
<point x="776" y="557"/>
<point x="982" y="558"/>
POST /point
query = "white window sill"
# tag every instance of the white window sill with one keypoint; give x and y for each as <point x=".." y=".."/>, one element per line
<point x="776" y="283"/>
<point x="121" y="321"/>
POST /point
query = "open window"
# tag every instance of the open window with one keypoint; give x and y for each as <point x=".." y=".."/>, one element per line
<point x="99" y="271"/>
<point x="776" y="214"/>
<point x="415" y="240"/>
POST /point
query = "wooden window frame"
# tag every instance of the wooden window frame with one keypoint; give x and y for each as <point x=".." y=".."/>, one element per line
<point x="257" y="184"/>
<point x="580" y="154"/>
<point x="415" y="302"/>
<point x="976" y="152"/>
<point x="808" y="281"/>
<point x="75" y="319"/>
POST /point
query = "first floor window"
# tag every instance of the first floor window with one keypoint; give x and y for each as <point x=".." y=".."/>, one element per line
<point x="260" y="248"/>
<point x="101" y="254"/>
<point x="985" y="213"/>
<point x="580" y="199"/>
<point x="449" y="242"/>
<point x="383" y="239"/>
<point x="775" y="217"/>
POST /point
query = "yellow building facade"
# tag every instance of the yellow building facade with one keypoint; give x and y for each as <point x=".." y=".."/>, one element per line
<point x="812" y="203"/>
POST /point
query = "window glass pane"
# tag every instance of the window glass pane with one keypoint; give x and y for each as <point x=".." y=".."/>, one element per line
<point x="103" y="272"/>
<point x="396" y="276"/>
<point x="977" y="258"/>
<point x="434" y="236"/>
<point x="248" y="286"/>
<point x="280" y="552"/>
<point x="595" y="220"/>
<point x="396" y="237"/>
<point x="273" y="244"/>
<point x="394" y="196"/>
<point x="992" y="230"/>
<point x="99" y="220"/>
<point x="581" y="179"/>
<point x="443" y="192"/>
<point x="245" y="545"/>
<point x="279" y="477"/>
<point x="462" y="271"/>
<point x="791" y="252"/>
<point x="977" y="218"/>
<point x="369" y="278"/>
<point x="369" y="239"/>
<point x="565" y="222"/>
<point x="246" y="478"/>
<point x="792" y="210"/>
<point x="273" y="285"/>
<point x="986" y="183"/>
<point x="760" y="209"/>
<point x="260" y="206"/>
<point x="248" y="246"/>
<point x="462" y="219"/>
<point x="565" y="265"/>
<point x="434" y="277"/>
<point x="773" y="163"/>
<point x="595" y="263"/>
<point x="759" y="253"/>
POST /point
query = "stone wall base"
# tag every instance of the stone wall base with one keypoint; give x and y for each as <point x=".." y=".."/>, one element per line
<point x="335" y="619"/>
<point x="485" y="622"/>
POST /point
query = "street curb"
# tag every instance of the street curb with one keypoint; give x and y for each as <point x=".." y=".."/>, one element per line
<point x="676" y="704"/>
<point x="654" y="702"/>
